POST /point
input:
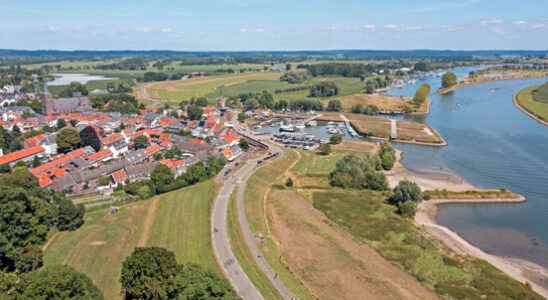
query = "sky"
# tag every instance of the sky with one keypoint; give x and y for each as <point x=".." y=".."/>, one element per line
<point x="273" y="25"/>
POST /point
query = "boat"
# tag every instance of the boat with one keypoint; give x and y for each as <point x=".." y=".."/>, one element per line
<point x="300" y="126"/>
<point x="331" y="123"/>
<point x="287" y="128"/>
<point x="332" y="131"/>
<point x="312" y="123"/>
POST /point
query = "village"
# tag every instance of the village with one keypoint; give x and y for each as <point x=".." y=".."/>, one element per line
<point x="128" y="147"/>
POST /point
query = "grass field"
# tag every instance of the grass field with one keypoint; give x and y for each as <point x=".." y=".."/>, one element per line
<point x="180" y="223"/>
<point x="243" y="255"/>
<point x="525" y="99"/>
<point x="369" y="219"/>
<point x="258" y="188"/>
<point x="176" y="91"/>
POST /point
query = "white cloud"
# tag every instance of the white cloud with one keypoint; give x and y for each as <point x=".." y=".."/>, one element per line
<point x="370" y="27"/>
<point x="491" y="21"/>
<point x="391" y="26"/>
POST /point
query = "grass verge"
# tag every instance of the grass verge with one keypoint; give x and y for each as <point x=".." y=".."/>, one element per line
<point x="525" y="99"/>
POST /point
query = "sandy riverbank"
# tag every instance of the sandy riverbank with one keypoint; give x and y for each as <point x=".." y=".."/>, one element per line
<point x="521" y="270"/>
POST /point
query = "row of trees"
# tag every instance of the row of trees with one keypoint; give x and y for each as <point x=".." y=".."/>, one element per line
<point x="122" y="103"/>
<point x="369" y="110"/>
<point x="324" y="89"/>
<point x="379" y="82"/>
<point x="295" y="77"/>
<point x="340" y="69"/>
<point x="162" y="179"/>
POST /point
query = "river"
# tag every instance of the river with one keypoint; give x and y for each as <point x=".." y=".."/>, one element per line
<point x="492" y="144"/>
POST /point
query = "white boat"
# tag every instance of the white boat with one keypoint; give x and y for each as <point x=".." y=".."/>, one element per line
<point x="331" y="123"/>
<point x="332" y="131"/>
<point x="312" y="123"/>
<point x="287" y="128"/>
<point x="300" y="126"/>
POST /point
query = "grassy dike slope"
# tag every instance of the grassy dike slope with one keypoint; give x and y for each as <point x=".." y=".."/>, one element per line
<point x="178" y="221"/>
<point x="257" y="191"/>
<point x="366" y="216"/>
<point x="533" y="106"/>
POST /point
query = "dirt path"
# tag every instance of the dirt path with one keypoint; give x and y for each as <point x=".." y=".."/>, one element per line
<point x="50" y="241"/>
<point x="328" y="261"/>
<point x="149" y="221"/>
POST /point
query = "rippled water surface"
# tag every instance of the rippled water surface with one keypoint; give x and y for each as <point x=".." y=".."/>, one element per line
<point x="491" y="144"/>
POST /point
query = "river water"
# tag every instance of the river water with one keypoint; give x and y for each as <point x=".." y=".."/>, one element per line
<point x="492" y="144"/>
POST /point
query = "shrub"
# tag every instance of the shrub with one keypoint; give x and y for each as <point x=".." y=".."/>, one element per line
<point x="407" y="209"/>
<point x="358" y="173"/>
<point x="325" y="149"/>
<point x="387" y="155"/>
<point x="405" y="191"/>
<point x="324" y="89"/>
<point x="335" y="139"/>
<point x="289" y="182"/>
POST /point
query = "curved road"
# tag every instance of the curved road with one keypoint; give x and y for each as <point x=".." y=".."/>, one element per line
<point x="221" y="239"/>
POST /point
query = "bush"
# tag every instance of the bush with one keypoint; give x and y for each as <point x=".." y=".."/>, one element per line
<point x="405" y="191"/>
<point x="358" y="173"/>
<point x="387" y="155"/>
<point x="335" y="139"/>
<point x="448" y="80"/>
<point x="325" y="149"/>
<point x="289" y="182"/>
<point x="421" y="94"/>
<point x="407" y="209"/>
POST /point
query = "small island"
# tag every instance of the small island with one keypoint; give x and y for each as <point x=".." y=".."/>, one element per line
<point x="533" y="101"/>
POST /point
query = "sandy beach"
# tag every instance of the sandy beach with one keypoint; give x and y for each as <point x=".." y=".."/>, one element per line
<point x="521" y="270"/>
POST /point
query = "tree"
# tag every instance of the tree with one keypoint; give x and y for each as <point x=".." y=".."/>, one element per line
<point x="148" y="274"/>
<point x="288" y="67"/>
<point x="244" y="144"/>
<point x="370" y="87"/>
<point x="335" y="139"/>
<point x="29" y="259"/>
<point x="407" y="209"/>
<point x="161" y="177"/>
<point x="67" y="140"/>
<point x="422" y="66"/>
<point x="36" y="161"/>
<point x="334" y="105"/>
<point x="153" y="273"/>
<point x="324" y="89"/>
<point x="357" y="109"/>
<point x="89" y="137"/>
<point x="242" y="117"/>
<point x="449" y="79"/>
<point x="325" y="149"/>
<point x="61" y="123"/>
<point x="405" y="191"/>
<point x="194" y="112"/>
<point x="421" y="95"/>
<point x="289" y="182"/>
<point x="58" y="282"/>
<point x="141" y="142"/>
<point x="71" y="216"/>
<point x="387" y="155"/>
<point x="359" y="173"/>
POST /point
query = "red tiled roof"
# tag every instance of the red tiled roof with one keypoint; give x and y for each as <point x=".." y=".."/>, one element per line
<point x="102" y="154"/>
<point x="59" y="161"/>
<point x="154" y="148"/>
<point x="34" y="141"/>
<point x="44" y="180"/>
<point x="173" y="164"/>
<point x="119" y="176"/>
<point x="111" y="139"/>
<point x="196" y="141"/>
<point x="166" y="121"/>
<point x="21" y="154"/>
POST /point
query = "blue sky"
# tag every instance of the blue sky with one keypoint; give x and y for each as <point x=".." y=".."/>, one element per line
<point x="274" y="25"/>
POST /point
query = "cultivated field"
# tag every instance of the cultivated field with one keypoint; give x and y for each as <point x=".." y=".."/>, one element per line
<point x="176" y="91"/>
<point x="178" y="221"/>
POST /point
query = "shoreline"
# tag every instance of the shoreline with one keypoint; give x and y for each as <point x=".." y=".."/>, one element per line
<point x="524" y="110"/>
<point x="462" y="84"/>
<point x="521" y="270"/>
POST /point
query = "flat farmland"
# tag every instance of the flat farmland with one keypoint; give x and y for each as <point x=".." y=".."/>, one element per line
<point x="178" y="90"/>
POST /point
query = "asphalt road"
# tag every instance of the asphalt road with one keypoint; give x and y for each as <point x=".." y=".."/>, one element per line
<point x="221" y="239"/>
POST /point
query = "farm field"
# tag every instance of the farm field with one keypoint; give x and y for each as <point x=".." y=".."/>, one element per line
<point x="178" y="221"/>
<point x="176" y="91"/>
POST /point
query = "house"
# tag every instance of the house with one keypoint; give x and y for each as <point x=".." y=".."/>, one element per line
<point x="152" y="149"/>
<point x="24" y="155"/>
<point x="177" y="166"/>
<point x="100" y="157"/>
<point x="116" y="143"/>
<point x="140" y="171"/>
<point x="46" y="141"/>
<point x="57" y="167"/>
<point x="67" y="105"/>
<point x="119" y="177"/>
